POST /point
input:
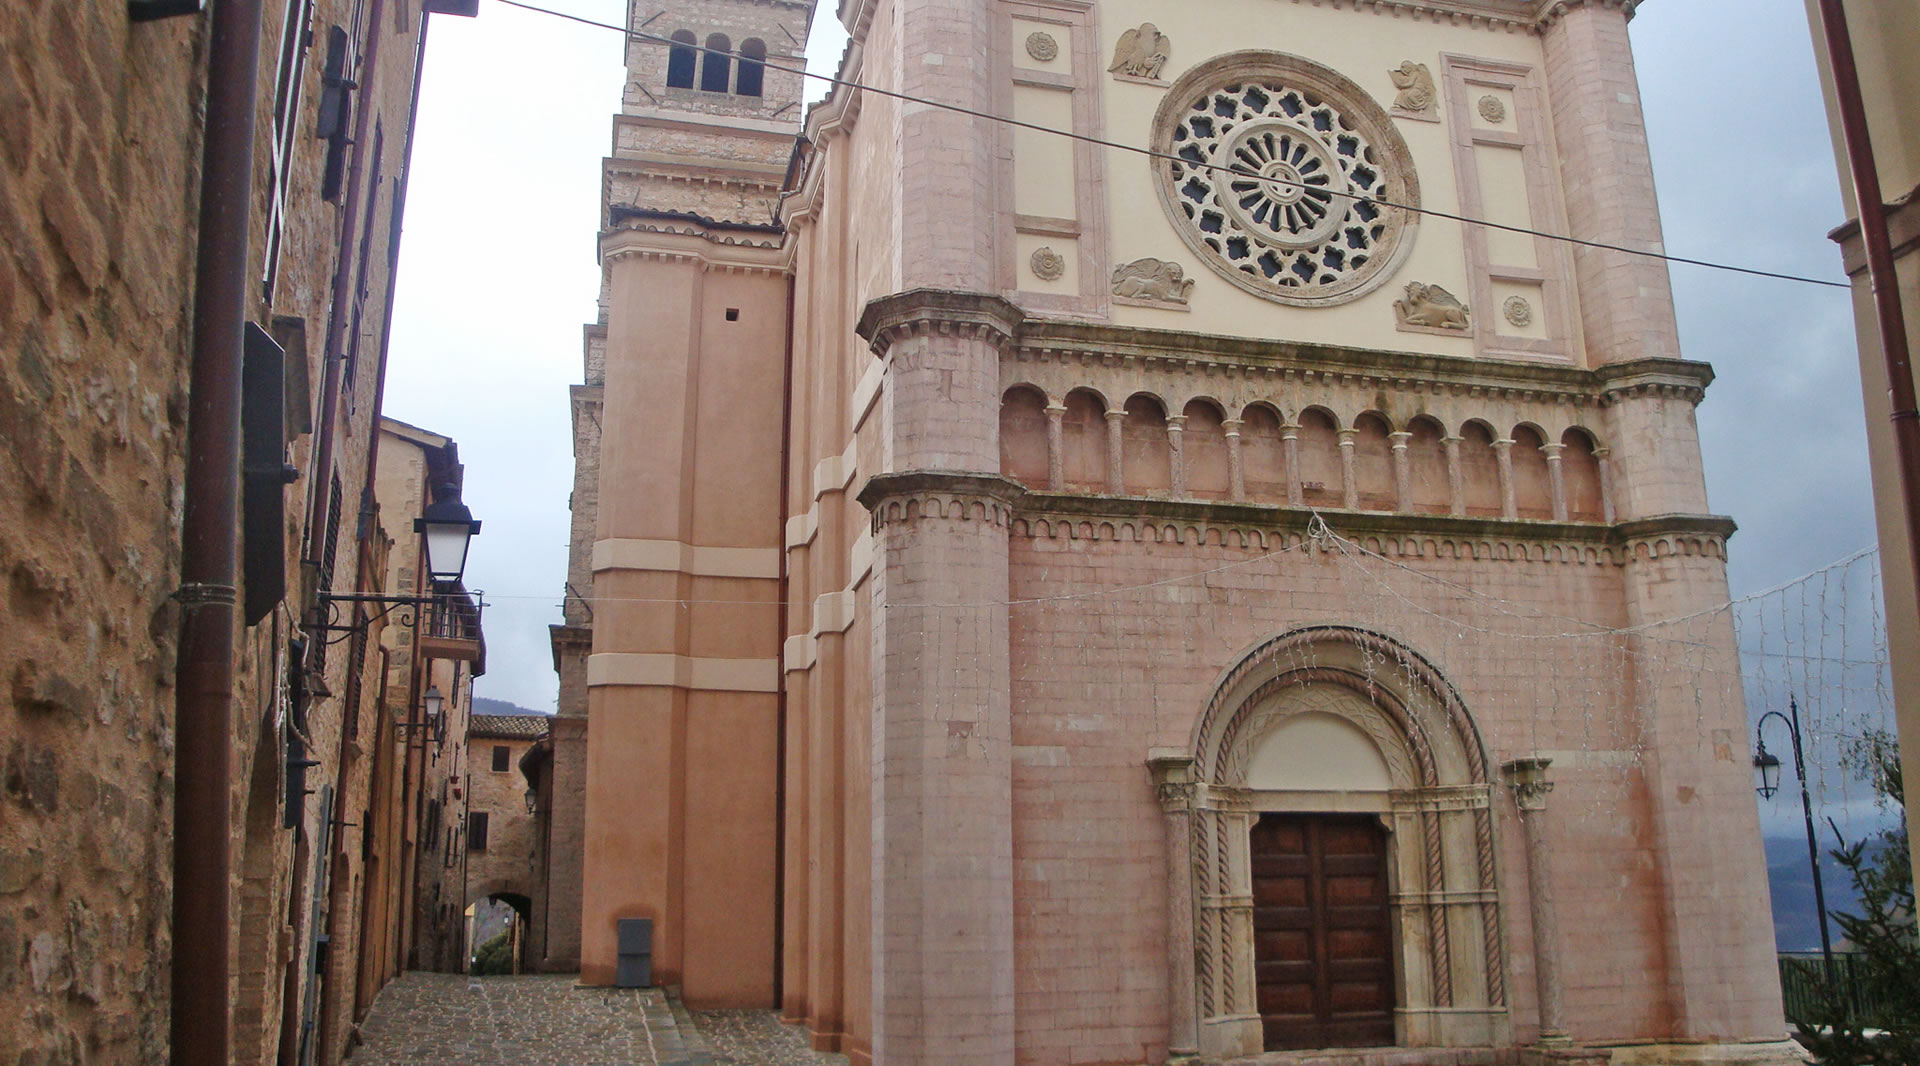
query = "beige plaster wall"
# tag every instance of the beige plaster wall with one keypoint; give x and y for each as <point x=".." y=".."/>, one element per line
<point x="1364" y="46"/>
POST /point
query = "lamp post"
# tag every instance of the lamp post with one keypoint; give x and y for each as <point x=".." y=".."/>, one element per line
<point x="446" y="529"/>
<point x="433" y="703"/>
<point x="1767" y="768"/>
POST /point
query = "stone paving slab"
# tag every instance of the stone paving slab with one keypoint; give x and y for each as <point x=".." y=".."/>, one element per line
<point x="756" y="1038"/>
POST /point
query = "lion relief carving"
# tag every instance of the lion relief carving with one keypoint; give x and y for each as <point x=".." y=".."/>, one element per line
<point x="1152" y="279"/>
<point x="1431" y="307"/>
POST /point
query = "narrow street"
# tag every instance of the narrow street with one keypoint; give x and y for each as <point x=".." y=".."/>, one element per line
<point x="433" y="1019"/>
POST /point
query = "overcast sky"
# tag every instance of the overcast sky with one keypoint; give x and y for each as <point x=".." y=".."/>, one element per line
<point x="498" y="276"/>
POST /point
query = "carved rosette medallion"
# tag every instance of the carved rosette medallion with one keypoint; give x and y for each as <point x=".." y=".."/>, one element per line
<point x="1047" y="264"/>
<point x="1279" y="173"/>
<point x="1492" y="109"/>
<point x="1517" y="311"/>
<point x="1042" y="46"/>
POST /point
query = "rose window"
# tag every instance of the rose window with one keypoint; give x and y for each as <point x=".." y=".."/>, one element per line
<point x="1279" y="170"/>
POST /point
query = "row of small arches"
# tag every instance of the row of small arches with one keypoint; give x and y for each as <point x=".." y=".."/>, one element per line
<point x="1082" y="445"/>
<point x="714" y="65"/>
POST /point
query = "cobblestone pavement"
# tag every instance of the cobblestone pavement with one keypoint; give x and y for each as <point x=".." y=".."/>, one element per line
<point x="435" y="1019"/>
<point x="756" y="1038"/>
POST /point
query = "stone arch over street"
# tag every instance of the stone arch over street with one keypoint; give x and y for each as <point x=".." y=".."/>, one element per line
<point x="1350" y="728"/>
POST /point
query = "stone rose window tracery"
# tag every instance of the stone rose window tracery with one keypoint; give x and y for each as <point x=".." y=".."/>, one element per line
<point x="1278" y="168"/>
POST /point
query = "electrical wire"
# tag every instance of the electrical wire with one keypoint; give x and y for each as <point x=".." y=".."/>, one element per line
<point x="654" y="38"/>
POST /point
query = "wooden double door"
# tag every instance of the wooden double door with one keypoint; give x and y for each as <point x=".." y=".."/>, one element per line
<point x="1322" y="943"/>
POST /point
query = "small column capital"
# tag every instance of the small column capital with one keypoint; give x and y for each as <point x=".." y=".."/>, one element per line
<point x="1290" y="431"/>
<point x="1172" y="780"/>
<point x="1527" y="776"/>
<point x="1176" y="423"/>
<point x="1503" y="444"/>
<point x="1553" y="451"/>
<point x="1399" y="439"/>
<point x="1347" y="435"/>
<point x="1057" y="410"/>
<point x="1231" y="425"/>
<point x="1117" y="415"/>
<point x="1453" y="441"/>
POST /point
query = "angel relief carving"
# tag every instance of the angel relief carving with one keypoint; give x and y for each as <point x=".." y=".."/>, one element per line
<point x="1141" y="53"/>
<point x="1417" y="95"/>
<point x="1430" y="307"/>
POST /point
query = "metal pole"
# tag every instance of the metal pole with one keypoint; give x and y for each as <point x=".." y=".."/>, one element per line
<point x="200" y="1025"/>
<point x="1813" y="848"/>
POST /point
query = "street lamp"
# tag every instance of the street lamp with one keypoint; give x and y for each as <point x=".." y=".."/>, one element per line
<point x="432" y="703"/>
<point x="533" y="801"/>
<point x="1766" y="768"/>
<point x="446" y="529"/>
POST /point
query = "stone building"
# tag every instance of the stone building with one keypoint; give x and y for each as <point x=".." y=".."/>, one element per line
<point x="504" y="850"/>
<point x="1883" y="40"/>
<point x="199" y="217"/>
<point x="1177" y="590"/>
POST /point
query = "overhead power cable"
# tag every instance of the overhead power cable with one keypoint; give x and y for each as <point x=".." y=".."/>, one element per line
<point x="654" y="38"/>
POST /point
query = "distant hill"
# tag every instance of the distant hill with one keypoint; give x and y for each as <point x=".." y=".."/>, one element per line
<point x="486" y="705"/>
<point x="1796" y="922"/>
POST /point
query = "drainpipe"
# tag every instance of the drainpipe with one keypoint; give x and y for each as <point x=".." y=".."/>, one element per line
<point x="1880" y="268"/>
<point x="200" y="1028"/>
<point x="780" y="693"/>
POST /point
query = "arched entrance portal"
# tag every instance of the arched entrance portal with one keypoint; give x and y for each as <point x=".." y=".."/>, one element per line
<point x="1331" y="856"/>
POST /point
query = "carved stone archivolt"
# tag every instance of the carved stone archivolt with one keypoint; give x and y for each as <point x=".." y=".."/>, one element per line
<point x="1047" y="264"/>
<point x="1149" y="280"/>
<point x="1278" y="177"/>
<point x="1449" y="955"/>
<point x="1141" y="53"/>
<point x="1417" y="98"/>
<point x="1042" y="47"/>
<point x="1430" y="307"/>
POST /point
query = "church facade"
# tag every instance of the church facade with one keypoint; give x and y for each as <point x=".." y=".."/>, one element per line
<point x="1148" y="578"/>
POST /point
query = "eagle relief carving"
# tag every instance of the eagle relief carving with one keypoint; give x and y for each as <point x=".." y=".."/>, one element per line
<point x="1141" y="53"/>
<point x="1430" y="307"/>
<point x="1417" y="95"/>
<point x="1153" y="281"/>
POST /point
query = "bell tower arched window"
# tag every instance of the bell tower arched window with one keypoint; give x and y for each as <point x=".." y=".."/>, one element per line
<point x="680" y="60"/>
<point x="714" y="67"/>
<point x="753" y="71"/>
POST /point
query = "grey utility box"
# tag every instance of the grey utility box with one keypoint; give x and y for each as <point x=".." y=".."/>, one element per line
<point x="635" y="966"/>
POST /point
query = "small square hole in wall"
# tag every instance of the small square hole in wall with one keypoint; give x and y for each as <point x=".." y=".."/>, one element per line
<point x="733" y="314"/>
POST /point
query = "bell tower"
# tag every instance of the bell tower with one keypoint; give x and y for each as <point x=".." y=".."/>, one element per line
<point x="677" y="503"/>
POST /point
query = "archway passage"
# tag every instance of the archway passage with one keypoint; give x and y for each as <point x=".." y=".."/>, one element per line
<point x="1322" y="939"/>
